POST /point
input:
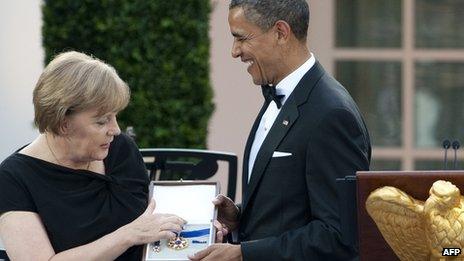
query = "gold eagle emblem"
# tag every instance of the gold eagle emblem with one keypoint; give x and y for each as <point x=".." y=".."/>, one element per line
<point x="418" y="230"/>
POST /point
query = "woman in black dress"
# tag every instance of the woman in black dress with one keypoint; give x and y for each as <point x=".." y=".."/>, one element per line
<point x="79" y="191"/>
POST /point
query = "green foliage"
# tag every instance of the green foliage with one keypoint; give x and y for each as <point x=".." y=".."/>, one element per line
<point x="159" y="47"/>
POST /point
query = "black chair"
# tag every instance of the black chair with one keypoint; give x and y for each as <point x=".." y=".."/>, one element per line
<point x="190" y="164"/>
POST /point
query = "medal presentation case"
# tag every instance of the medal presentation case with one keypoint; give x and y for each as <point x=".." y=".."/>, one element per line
<point x="192" y="201"/>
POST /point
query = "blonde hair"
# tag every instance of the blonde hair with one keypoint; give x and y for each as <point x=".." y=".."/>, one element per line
<point x="73" y="82"/>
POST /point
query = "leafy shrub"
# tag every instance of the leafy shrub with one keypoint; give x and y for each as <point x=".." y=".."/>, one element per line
<point x="159" y="47"/>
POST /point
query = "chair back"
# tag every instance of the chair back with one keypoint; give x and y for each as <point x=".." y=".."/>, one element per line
<point x="191" y="164"/>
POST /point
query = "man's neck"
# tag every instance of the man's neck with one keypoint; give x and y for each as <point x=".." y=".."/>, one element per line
<point x="294" y="58"/>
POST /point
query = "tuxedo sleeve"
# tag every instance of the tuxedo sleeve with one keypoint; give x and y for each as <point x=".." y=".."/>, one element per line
<point x="338" y="147"/>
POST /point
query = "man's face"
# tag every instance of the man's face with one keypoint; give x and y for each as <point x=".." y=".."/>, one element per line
<point x="254" y="47"/>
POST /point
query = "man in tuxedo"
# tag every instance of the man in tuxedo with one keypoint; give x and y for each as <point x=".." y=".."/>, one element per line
<point x="308" y="133"/>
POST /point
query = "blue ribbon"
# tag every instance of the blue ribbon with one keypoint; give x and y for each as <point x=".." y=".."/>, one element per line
<point x="194" y="233"/>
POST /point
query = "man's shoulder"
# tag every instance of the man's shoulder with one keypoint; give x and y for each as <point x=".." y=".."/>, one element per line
<point x="321" y="85"/>
<point x="327" y="97"/>
<point x="328" y="94"/>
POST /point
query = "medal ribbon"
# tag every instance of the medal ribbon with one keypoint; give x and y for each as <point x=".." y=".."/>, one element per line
<point x="194" y="233"/>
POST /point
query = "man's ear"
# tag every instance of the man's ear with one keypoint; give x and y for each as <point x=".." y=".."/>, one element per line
<point x="283" y="31"/>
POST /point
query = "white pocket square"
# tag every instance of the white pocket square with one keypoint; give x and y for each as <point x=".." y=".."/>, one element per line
<point x="278" y="154"/>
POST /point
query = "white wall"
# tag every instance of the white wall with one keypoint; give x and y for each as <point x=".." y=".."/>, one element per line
<point x="21" y="57"/>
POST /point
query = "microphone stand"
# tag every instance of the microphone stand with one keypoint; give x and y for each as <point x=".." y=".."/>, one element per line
<point x="446" y="145"/>
<point x="456" y="146"/>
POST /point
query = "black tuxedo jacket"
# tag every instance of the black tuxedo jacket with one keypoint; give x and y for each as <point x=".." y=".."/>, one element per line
<point x="290" y="206"/>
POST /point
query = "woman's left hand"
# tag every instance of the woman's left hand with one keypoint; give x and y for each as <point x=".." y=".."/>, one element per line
<point x="221" y="232"/>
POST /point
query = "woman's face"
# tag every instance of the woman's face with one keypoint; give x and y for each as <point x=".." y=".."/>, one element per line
<point x="89" y="135"/>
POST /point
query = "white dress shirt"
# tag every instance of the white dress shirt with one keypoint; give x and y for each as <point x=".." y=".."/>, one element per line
<point x="284" y="87"/>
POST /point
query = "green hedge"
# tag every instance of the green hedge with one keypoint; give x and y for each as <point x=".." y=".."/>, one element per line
<point x="159" y="47"/>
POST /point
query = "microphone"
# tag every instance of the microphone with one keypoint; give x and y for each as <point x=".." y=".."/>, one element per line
<point x="456" y="146"/>
<point x="446" y="145"/>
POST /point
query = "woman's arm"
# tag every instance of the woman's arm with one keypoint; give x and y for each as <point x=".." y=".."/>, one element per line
<point x="25" y="238"/>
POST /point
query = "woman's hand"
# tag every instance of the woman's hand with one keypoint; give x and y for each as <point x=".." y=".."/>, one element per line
<point x="221" y="231"/>
<point x="150" y="227"/>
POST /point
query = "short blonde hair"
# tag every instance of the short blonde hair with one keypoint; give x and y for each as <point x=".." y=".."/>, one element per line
<point x="73" y="82"/>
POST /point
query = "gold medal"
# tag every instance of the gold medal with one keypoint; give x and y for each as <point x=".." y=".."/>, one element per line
<point x="178" y="243"/>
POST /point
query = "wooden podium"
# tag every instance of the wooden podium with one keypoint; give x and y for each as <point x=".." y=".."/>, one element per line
<point x="417" y="184"/>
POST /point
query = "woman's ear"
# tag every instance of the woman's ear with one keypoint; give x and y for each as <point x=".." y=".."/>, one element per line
<point x="64" y="126"/>
<point x="283" y="31"/>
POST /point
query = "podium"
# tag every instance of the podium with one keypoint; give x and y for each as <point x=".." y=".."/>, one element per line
<point x="417" y="184"/>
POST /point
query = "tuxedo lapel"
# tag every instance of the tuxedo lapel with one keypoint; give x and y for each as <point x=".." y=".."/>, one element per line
<point x="248" y="145"/>
<point x="282" y="124"/>
<point x="284" y="121"/>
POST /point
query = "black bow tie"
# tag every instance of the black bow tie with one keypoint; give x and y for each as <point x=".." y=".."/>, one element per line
<point x="269" y="93"/>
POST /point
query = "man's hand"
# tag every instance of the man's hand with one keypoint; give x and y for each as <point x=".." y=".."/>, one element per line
<point x="227" y="212"/>
<point x="223" y="252"/>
